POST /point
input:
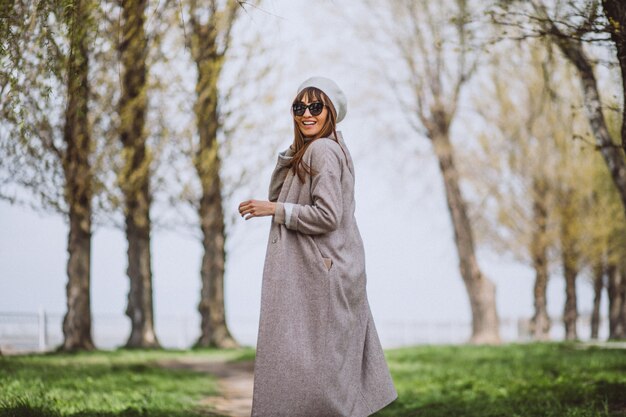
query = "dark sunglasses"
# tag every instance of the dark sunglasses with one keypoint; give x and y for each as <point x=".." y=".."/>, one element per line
<point x="314" y="108"/>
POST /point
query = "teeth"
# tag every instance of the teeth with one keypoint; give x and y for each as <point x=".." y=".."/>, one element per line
<point x="308" y="123"/>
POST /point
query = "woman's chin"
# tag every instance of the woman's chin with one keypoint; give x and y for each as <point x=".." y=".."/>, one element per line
<point x="309" y="135"/>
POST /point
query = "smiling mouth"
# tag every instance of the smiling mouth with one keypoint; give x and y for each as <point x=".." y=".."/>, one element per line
<point x="308" y="123"/>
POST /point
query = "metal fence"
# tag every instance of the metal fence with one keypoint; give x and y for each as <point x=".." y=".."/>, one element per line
<point x="42" y="331"/>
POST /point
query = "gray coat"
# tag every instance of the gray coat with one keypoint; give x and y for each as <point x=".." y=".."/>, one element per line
<point x="318" y="352"/>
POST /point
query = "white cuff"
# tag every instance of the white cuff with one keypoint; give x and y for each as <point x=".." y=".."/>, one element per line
<point x="288" y="208"/>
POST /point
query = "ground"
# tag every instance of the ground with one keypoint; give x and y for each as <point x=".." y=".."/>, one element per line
<point x="550" y="379"/>
<point x="235" y="381"/>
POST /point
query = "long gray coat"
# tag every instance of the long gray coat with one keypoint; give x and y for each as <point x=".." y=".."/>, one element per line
<point x="318" y="352"/>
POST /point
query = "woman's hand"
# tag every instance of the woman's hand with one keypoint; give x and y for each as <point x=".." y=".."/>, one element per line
<point x="256" y="208"/>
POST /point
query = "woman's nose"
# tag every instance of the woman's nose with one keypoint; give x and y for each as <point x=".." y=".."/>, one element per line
<point x="306" y="112"/>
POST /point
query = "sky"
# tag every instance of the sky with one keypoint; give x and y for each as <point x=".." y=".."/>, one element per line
<point x="411" y="260"/>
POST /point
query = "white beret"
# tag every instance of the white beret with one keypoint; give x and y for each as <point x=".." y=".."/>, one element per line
<point x="332" y="90"/>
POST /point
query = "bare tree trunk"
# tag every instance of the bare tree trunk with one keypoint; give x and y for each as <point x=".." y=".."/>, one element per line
<point x="570" y="262"/>
<point x="135" y="178"/>
<point x="214" y="331"/>
<point x="78" y="185"/>
<point x="540" y="322"/>
<point x="570" y="312"/>
<point x="616" y="286"/>
<point x="622" y="311"/>
<point x="481" y="291"/>
<point x="208" y="54"/>
<point x="598" y="286"/>
<point x="77" y="320"/>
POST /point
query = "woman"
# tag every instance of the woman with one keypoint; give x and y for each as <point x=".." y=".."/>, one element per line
<point x="318" y="352"/>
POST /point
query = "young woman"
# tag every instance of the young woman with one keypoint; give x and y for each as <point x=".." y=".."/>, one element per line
<point x="318" y="353"/>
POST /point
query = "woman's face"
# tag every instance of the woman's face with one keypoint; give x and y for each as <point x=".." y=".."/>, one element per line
<point x="311" y="125"/>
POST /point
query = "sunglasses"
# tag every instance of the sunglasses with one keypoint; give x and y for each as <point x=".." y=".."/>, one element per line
<point x="314" y="108"/>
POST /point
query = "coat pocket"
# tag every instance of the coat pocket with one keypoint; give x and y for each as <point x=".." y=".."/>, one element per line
<point x="328" y="262"/>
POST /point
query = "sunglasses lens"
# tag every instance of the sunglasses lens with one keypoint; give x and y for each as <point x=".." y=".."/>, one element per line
<point x="316" y="108"/>
<point x="299" y="109"/>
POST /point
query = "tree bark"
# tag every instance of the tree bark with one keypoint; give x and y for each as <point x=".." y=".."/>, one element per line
<point x="540" y="322"/>
<point x="570" y="312"/>
<point x="622" y="312"/>
<point x="598" y="285"/>
<point x="214" y="331"/>
<point x="78" y="184"/>
<point x="209" y="59"/>
<point x="570" y="262"/>
<point x="616" y="290"/>
<point x="481" y="291"/>
<point x="135" y="177"/>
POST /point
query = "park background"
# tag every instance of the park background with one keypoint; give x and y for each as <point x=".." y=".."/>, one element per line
<point x="520" y="116"/>
<point x="414" y="283"/>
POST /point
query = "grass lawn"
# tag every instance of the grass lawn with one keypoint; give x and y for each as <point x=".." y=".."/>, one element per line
<point x="530" y="380"/>
<point x="544" y="379"/>
<point x="120" y="383"/>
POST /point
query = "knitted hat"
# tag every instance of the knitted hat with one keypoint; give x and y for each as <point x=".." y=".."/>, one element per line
<point x="332" y="90"/>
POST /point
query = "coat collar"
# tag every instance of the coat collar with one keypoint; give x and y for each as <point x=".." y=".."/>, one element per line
<point x="343" y="146"/>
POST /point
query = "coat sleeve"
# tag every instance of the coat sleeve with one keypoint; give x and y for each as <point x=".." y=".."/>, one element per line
<point x="324" y="215"/>
<point x="279" y="174"/>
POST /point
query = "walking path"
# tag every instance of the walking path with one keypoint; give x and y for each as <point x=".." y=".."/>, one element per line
<point x="234" y="379"/>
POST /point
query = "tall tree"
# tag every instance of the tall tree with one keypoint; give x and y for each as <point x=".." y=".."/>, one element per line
<point x="531" y="176"/>
<point x="134" y="179"/>
<point x="515" y="184"/>
<point x="210" y="38"/>
<point x="431" y="44"/>
<point x="47" y="47"/>
<point x="78" y="174"/>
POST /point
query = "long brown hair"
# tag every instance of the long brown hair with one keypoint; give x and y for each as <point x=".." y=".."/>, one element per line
<point x="297" y="165"/>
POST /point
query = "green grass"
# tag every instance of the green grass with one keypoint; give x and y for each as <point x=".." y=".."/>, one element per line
<point x="124" y="383"/>
<point x="530" y="380"/>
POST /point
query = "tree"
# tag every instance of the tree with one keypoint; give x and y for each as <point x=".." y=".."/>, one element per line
<point x="209" y="43"/>
<point x="514" y="213"/>
<point x="231" y="64"/>
<point x="134" y="179"/>
<point x="534" y="183"/>
<point x="47" y="47"/>
<point x="430" y="46"/>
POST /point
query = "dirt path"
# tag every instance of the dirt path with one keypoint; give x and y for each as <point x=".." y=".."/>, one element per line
<point x="234" y="379"/>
